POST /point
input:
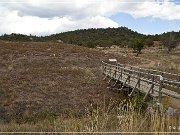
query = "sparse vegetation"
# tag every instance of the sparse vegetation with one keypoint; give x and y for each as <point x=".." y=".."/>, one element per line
<point x="117" y="116"/>
<point x="50" y="86"/>
<point x="50" y="77"/>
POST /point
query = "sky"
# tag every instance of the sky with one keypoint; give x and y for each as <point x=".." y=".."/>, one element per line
<point x="45" y="17"/>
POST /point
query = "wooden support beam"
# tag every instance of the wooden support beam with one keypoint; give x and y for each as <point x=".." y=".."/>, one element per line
<point x="124" y="83"/>
<point x="112" y="77"/>
<point x="117" y="80"/>
<point x="105" y="77"/>
<point x="107" y="73"/>
<point x="104" y="68"/>
<point x="134" y="88"/>
<point x="147" y="93"/>
<point x="160" y="88"/>
<point x="110" y="80"/>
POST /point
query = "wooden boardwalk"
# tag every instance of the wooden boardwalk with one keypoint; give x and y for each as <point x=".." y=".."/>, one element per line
<point x="150" y="82"/>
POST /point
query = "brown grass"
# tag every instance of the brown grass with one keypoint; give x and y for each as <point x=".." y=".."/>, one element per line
<point x="153" y="57"/>
<point x="50" y="77"/>
<point x="49" y="86"/>
<point x="116" y="117"/>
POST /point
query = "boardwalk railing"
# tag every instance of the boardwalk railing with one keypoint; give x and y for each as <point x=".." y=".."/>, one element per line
<point x="151" y="82"/>
<point x="166" y="75"/>
<point x="170" y="80"/>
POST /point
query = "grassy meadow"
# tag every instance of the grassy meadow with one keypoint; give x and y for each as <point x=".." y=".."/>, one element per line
<point x="56" y="87"/>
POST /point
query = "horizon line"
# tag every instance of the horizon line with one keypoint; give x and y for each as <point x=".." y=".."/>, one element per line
<point x="88" y="29"/>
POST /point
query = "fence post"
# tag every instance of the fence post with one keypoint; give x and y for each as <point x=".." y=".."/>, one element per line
<point x="160" y="94"/>
<point x="130" y="72"/>
<point x="160" y="88"/>
<point x="118" y="70"/>
<point x="152" y="84"/>
<point x="110" y="70"/>
<point x="115" y="72"/>
<point x="139" y="74"/>
<point x="121" y="72"/>
<point x="179" y="84"/>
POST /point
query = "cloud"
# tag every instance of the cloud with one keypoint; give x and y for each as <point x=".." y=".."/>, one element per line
<point x="45" y="26"/>
<point x="164" y="10"/>
<point x="52" y="16"/>
<point x="45" y="17"/>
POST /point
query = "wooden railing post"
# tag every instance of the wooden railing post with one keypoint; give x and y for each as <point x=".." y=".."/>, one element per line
<point x="160" y="87"/>
<point x="119" y="69"/>
<point x="162" y="74"/>
<point x="179" y="84"/>
<point x="110" y="70"/>
<point x="121" y="72"/>
<point x="139" y="84"/>
<point x="116" y="69"/>
<point x="153" y="84"/>
<point x="130" y="72"/>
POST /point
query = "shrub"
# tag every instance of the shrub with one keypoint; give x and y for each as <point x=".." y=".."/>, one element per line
<point x="137" y="45"/>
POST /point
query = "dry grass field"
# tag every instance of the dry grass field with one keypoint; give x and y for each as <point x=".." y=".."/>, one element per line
<point x="59" y="87"/>
<point x="50" y="78"/>
<point x="152" y="58"/>
<point x="116" y="117"/>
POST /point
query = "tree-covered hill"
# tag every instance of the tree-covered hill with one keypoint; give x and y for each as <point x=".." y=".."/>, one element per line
<point x="94" y="37"/>
<point x="98" y="37"/>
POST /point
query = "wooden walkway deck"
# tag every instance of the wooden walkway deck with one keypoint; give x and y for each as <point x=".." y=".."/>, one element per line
<point x="151" y="82"/>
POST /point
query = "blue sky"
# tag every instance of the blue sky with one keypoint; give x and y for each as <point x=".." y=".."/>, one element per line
<point x="146" y="25"/>
<point x="177" y="1"/>
<point x="149" y="24"/>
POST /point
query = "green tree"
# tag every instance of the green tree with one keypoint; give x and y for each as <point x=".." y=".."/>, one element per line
<point x="137" y="45"/>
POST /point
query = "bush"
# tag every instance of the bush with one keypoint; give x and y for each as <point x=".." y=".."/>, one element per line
<point x="137" y="45"/>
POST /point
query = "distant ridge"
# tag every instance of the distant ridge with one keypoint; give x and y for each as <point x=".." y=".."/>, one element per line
<point x="92" y="37"/>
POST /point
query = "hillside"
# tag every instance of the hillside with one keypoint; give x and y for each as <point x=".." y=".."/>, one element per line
<point x="94" y="37"/>
<point x="40" y="79"/>
<point x="98" y="37"/>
